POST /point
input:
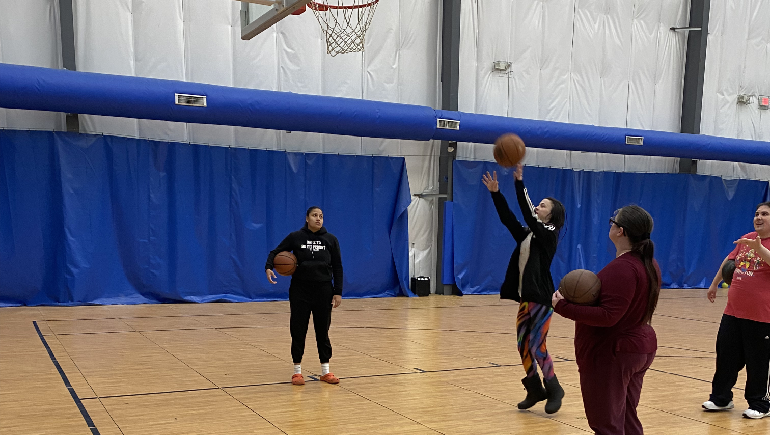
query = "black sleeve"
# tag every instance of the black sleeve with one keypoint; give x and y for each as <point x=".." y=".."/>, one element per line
<point x="507" y="217"/>
<point x="285" y="245"/>
<point x="337" y="267"/>
<point x="539" y="229"/>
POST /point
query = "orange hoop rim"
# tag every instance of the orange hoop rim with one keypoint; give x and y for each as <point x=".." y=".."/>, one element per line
<point x="325" y="7"/>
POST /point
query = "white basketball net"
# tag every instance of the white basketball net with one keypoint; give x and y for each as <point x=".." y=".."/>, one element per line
<point x="344" y="22"/>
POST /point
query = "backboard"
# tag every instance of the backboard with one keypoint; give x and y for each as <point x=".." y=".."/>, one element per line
<point x="258" y="15"/>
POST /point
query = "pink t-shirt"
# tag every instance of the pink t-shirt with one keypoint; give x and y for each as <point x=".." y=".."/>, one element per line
<point x="749" y="294"/>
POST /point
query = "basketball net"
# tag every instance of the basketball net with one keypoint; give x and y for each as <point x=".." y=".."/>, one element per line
<point x="344" y="23"/>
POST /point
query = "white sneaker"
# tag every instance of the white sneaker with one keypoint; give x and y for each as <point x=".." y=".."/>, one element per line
<point x="750" y="413"/>
<point x="711" y="406"/>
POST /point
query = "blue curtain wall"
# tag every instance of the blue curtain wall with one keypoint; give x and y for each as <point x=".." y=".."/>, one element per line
<point x="697" y="218"/>
<point x="90" y="219"/>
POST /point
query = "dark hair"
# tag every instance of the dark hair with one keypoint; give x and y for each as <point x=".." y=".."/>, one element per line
<point x="637" y="225"/>
<point x="558" y="215"/>
<point x="763" y="204"/>
<point x="311" y="209"/>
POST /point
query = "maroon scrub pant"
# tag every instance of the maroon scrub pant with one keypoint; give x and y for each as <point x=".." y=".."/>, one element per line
<point x="611" y="385"/>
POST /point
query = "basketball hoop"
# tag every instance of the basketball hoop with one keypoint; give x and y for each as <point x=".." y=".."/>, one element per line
<point x="344" y="23"/>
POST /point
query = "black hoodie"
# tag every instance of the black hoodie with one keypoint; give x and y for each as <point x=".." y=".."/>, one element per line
<point x="534" y="283"/>
<point x="318" y="256"/>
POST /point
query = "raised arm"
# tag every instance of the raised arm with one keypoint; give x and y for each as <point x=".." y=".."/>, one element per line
<point x="507" y="217"/>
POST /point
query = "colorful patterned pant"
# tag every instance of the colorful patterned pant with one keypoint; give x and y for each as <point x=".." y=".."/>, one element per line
<point x="532" y="325"/>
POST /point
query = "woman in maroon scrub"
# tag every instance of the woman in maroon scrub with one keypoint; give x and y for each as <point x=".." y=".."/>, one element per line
<point x="614" y="341"/>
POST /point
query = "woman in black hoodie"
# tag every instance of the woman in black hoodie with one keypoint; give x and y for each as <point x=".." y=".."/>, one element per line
<point x="316" y="287"/>
<point x="528" y="281"/>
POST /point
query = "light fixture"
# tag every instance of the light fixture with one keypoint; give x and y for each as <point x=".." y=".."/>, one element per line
<point x="501" y="65"/>
<point x="744" y="99"/>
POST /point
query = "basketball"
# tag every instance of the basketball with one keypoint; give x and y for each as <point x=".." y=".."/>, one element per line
<point x="509" y="150"/>
<point x="285" y="263"/>
<point x="580" y="287"/>
<point x="727" y="272"/>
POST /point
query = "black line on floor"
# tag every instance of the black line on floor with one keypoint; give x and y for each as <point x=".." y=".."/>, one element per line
<point x="67" y="384"/>
<point x="685" y="376"/>
<point x="265" y="313"/>
<point x="686" y="318"/>
<point x="312" y="378"/>
<point x="192" y="390"/>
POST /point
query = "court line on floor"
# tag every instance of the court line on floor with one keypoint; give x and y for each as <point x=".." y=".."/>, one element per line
<point x="212" y="382"/>
<point x="417" y="371"/>
<point x="267" y="313"/>
<point x="689" y="418"/>
<point x="73" y="394"/>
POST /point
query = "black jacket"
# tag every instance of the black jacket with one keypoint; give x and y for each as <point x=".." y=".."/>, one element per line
<point x="318" y="256"/>
<point x="536" y="281"/>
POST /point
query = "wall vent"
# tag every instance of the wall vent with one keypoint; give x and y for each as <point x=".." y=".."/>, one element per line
<point x="190" y="100"/>
<point x="634" y="140"/>
<point x="448" y="124"/>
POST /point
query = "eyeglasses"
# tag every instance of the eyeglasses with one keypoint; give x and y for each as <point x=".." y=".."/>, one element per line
<point x="612" y="221"/>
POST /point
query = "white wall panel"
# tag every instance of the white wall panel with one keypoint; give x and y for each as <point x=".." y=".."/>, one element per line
<point x="255" y="66"/>
<point x="469" y="35"/>
<point x="642" y="79"/>
<point x="492" y="90"/>
<point x="599" y="62"/>
<point x="671" y="55"/>
<point x="208" y="47"/>
<point x="159" y="53"/>
<point x="737" y="62"/>
<point x="540" y="60"/>
<point x="104" y="43"/>
<point x="30" y="35"/>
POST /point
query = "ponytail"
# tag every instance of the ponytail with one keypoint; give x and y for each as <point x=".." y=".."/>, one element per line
<point x="646" y="250"/>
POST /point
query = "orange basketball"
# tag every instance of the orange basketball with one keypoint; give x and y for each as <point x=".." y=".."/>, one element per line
<point x="285" y="263"/>
<point x="509" y="150"/>
<point x="580" y="287"/>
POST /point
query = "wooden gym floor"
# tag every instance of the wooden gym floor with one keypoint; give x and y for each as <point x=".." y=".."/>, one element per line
<point x="439" y="364"/>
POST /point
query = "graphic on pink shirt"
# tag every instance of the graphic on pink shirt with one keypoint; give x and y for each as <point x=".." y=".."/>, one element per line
<point x="748" y="260"/>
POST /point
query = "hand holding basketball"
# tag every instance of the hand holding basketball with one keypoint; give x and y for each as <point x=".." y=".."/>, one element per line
<point x="491" y="181"/>
<point x="519" y="173"/>
<point x="580" y="287"/>
<point x="557" y="296"/>
<point x="285" y="263"/>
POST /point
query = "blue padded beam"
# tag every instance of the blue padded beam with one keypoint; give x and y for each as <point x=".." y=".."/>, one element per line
<point x="35" y="88"/>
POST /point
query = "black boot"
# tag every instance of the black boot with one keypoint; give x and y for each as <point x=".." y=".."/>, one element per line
<point x="555" y="393"/>
<point x="535" y="392"/>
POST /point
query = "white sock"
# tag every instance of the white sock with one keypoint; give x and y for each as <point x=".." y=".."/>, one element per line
<point x="297" y="369"/>
<point x="324" y="369"/>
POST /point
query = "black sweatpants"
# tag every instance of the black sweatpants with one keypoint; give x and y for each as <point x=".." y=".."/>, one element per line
<point x="742" y="342"/>
<point x="306" y="298"/>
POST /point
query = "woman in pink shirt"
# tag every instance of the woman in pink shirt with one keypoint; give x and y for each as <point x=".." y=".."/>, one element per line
<point x="744" y="332"/>
<point x="614" y="341"/>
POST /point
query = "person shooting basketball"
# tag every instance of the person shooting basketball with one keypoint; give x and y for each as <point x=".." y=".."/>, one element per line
<point x="528" y="281"/>
<point x="316" y="287"/>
